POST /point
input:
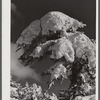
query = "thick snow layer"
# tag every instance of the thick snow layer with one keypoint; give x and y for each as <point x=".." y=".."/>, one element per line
<point x="57" y="21"/>
<point x="63" y="47"/>
<point x="52" y="21"/>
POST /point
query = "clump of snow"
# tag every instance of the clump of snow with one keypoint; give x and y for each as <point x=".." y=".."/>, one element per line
<point x="57" y="21"/>
<point x="91" y="97"/>
<point x="84" y="47"/>
<point x="63" y="48"/>
<point x="57" y="71"/>
<point x="41" y="49"/>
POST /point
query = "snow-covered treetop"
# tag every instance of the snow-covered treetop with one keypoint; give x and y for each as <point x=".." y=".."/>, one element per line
<point x="56" y="35"/>
<point x="55" y="21"/>
<point x="52" y="21"/>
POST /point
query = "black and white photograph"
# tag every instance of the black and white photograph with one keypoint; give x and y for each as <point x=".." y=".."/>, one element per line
<point x="53" y="50"/>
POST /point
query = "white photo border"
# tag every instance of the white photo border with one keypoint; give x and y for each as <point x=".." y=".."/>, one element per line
<point x="6" y="32"/>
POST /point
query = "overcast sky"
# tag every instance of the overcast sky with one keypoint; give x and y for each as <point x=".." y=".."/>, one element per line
<point x="23" y="12"/>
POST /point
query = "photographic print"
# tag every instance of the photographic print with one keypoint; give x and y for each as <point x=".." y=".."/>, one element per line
<point x="53" y="50"/>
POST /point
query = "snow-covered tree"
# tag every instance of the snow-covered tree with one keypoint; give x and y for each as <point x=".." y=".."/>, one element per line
<point x="33" y="92"/>
<point x="74" y="54"/>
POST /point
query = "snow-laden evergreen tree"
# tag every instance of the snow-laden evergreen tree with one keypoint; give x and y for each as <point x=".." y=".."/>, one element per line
<point x="33" y="92"/>
<point x="56" y="34"/>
